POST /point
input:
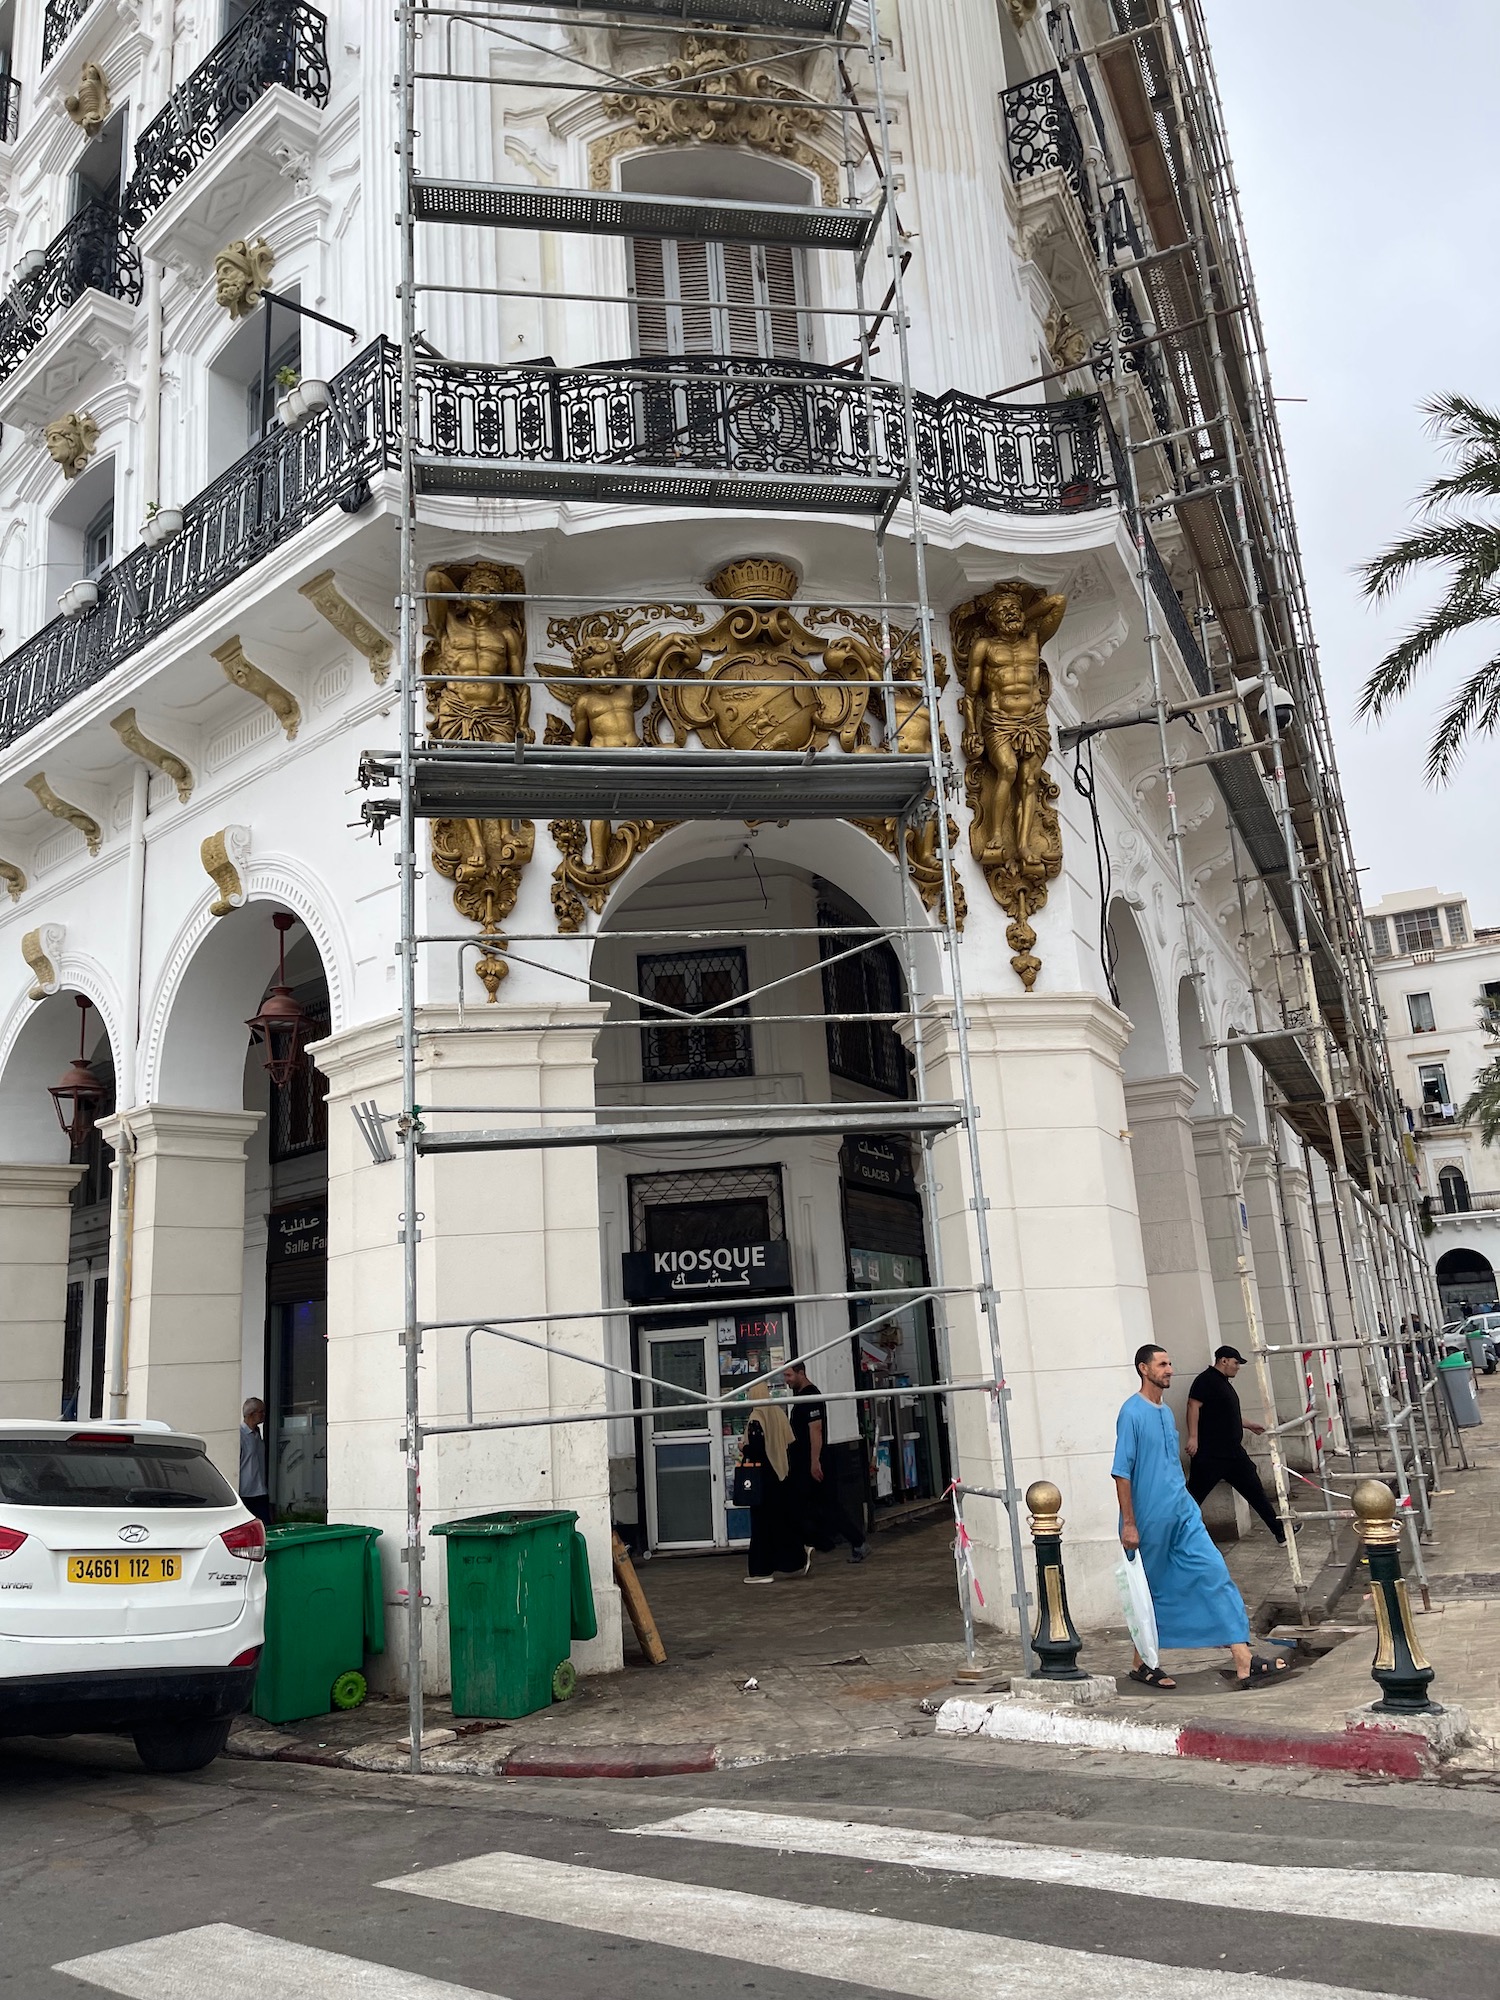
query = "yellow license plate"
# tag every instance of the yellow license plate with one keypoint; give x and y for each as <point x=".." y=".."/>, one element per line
<point x="125" y="1569"/>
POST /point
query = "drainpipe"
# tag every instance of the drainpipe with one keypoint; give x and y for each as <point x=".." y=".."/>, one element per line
<point x="122" y="1203"/>
<point x="151" y="399"/>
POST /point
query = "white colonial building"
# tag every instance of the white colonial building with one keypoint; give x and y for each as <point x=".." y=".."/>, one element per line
<point x="197" y="599"/>
<point x="1439" y="981"/>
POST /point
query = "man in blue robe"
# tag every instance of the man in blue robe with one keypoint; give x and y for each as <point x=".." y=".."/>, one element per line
<point x="1192" y="1592"/>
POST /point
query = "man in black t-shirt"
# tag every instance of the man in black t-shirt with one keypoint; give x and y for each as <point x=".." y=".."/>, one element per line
<point x="1215" y="1439"/>
<point x="825" y="1521"/>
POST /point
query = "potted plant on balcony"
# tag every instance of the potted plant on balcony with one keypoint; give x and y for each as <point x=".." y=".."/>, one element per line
<point x="79" y="598"/>
<point x="162" y="525"/>
<point x="289" y="402"/>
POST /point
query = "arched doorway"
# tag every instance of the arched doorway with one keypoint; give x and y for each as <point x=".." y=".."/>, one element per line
<point x="232" y="1154"/>
<point x="1466" y="1283"/>
<point x="780" y="951"/>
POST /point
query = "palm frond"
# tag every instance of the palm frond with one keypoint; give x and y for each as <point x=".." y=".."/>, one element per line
<point x="1396" y="672"/>
<point x="1482" y="1106"/>
<point x="1474" y="711"/>
<point x="1472" y="547"/>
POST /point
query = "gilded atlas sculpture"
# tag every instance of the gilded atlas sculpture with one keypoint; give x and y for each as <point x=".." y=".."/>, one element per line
<point x="1014" y="835"/>
<point x="480" y="641"/>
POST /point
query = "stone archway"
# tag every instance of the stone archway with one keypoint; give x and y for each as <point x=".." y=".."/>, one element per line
<point x="1466" y="1282"/>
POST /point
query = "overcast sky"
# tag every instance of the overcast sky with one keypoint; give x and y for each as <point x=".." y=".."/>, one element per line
<point x="1363" y="135"/>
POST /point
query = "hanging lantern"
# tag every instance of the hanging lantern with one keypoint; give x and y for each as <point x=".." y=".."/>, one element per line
<point x="280" y="1023"/>
<point x="79" y="1094"/>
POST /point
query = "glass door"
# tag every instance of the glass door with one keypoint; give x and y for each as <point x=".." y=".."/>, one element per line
<point x="297" y="1427"/>
<point x="685" y="1477"/>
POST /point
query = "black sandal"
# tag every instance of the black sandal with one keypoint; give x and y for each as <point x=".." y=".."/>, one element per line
<point x="1260" y="1671"/>
<point x="1151" y="1677"/>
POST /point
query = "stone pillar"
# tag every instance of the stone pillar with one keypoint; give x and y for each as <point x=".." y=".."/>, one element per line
<point x="1184" y="1309"/>
<point x="1216" y="1142"/>
<point x="35" y="1213"/>
<point x="186" y="1216"/>
<point x="502" y="1233"/>
<point x="1069" y="1265"/>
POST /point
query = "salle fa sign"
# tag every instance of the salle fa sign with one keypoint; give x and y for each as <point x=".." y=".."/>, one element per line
<point x="742" y="1268"/>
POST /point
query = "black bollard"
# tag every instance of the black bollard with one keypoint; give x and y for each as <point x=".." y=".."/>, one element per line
<point x="1400" y="1670"/>
<point x="1055" y="1640"/>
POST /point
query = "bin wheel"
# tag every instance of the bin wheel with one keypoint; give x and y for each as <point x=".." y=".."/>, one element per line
<point x="350" y="1689"/>
<point x="564" y="1681"/>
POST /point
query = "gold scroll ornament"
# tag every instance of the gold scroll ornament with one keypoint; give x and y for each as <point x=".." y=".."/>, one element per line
<point x="482" y="643"/>
<point x="613" y="669"/>
<point x="1014" y="835"/>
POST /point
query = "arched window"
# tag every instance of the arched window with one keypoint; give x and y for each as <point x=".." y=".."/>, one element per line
<point x="1455" y="1191"/>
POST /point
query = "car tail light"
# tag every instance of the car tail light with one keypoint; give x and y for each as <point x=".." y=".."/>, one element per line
<point x="246" y="1659"/>
<point x="248" y="1540"/>
<point x="10" y="1540"/>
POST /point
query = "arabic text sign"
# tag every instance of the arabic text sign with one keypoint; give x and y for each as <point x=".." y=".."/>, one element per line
<point x="739" y="1269"/>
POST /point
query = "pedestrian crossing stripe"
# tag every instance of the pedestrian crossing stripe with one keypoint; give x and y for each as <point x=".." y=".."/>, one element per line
<point x="223" y="1962"/>
<point x="884" y="1955"/>
<point x="1411" y="1899"/>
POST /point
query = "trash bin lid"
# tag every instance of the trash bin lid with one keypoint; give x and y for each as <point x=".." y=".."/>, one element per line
<point x="287" y="1532"/>
<point x="513" y="1521"/>
<point x="1454" y="1361"/>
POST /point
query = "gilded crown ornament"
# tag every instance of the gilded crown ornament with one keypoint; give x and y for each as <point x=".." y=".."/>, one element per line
<point x="1006" y="686"/>
<point x="756" y="576"/>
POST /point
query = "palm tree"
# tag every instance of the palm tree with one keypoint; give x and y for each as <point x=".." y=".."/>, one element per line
<point x="1482" y="1105"/>
<point x="1468" y="547"/>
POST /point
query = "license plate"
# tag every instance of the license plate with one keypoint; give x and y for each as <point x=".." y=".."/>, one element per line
<point x="125" y="1569"/>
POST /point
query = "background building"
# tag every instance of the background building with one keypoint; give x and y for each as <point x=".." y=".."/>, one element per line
<point x="662" y="454"/>
<point x="1439" y="980"/>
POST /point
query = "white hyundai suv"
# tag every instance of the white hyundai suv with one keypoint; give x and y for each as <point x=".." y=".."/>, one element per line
<point x="132" y="1589"/>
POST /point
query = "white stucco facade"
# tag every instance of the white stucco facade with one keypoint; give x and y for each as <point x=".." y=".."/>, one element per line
<point x="1111" y="1125"/>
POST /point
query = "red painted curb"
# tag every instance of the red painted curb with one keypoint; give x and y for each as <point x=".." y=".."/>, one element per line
<point x="1376" y="1751"/>
<point x="629" y="1760"/>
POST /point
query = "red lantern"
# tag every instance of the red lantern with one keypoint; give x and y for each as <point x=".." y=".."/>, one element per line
<point x="79" y="1094"/>
<point x="281" y="1023"/>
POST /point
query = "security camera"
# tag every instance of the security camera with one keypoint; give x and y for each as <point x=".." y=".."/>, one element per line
<point x="1279" y="700"/>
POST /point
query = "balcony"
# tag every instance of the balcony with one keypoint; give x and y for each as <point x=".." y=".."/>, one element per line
<point x="1435" y="1116"/>
<point x="281" y="46"/>
<point x="725" y="418"/>
<point x="59" y="21"/>
<point x="90" y="261"/>
<point x="10" y="109"/>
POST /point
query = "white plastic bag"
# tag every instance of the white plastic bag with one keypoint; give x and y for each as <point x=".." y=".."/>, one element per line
<point x="1135" y="1601"/>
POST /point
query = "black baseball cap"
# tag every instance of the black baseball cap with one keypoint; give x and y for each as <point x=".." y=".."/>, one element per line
<point x="1229" y="1354"/>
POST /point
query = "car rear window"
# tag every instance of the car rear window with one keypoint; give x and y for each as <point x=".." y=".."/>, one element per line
<point x="61" y="1472"/>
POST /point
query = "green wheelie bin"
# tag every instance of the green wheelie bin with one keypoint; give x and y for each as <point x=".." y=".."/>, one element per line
<point x="325" y="1609"/>
<point x="518" y="1595"/>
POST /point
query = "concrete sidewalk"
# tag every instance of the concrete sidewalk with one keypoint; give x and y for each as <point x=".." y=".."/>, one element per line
<point x="846" y="1659"/>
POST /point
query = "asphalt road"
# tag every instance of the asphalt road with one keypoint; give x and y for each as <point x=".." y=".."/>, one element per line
<point x="945" y="1871"/>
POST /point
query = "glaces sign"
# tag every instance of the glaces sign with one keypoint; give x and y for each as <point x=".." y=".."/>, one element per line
<point x="742" y="1269"/>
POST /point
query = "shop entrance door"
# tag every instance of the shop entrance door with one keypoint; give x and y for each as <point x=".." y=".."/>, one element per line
<point x="685" y="1453"/>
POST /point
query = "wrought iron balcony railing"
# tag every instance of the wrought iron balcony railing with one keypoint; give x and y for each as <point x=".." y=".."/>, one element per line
<point x="281" y="484"/>
<point x="10" y="109"/>
<point x="92" y="253"/>
<point x="278" y="41"/>
<point x="1040" y="131"/>
<point x="713" y="412"/>
<point x="59" y="21"/>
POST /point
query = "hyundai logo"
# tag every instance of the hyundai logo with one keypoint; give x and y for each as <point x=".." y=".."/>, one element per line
<point x="134" y="1532"/>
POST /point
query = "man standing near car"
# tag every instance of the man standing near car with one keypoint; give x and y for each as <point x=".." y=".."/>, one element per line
<point x="1215" y="1439"/>
<point x="252" y="1482"/>
<point x="824" y="1518"/>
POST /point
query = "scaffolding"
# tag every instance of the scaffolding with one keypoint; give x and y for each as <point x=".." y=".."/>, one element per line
<point x="426" y="777"/>
<point x="1132" y="117"/>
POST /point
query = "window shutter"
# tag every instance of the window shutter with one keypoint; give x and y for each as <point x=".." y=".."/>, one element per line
<point x="648" y="281"/>
<point x="1380" y="936"/>
<point x="741" y="321"/>
<point x="692" y="286"/>
<point x="1458" y="930"/>
<point x="781" y="277"/>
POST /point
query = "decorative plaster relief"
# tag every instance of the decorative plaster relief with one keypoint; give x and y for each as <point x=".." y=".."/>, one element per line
<point x="75" y="816"/>
<point x="42" y="950"/>
<point x="241" y="271"/>
<point x="281" y="701"/>
<point x="71" y="441"/>
<point x="129" y="732"/>
<point x="89" y="106"/>
<point x="323" y="594"/>
<point x="14" y="880"/>
<point x="224" y="854"/>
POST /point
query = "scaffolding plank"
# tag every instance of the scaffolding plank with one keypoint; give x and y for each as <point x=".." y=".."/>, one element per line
<point x="498" y="781"/>
<point x="813" y="17"/>
<point x="513" y="205"/>
<point x="1285" y="1060"/>
<point x="648" y="485"/>
<point x="721" y="1129"/>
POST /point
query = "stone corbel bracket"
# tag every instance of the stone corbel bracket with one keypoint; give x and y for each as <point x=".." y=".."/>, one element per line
<point x="130" y="734"/>
<point x="282" y="703"/>
<point x="14" y="879"/>
<point x="86" y="824"/>
<point x="224" y="855"/>
<point x="42" y="951"/>
<point x="325" y="597"/>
